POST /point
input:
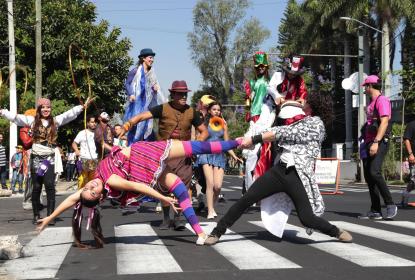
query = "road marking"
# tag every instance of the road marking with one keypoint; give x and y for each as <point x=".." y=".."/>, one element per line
<point x="231" y="188"/>
<point x="44" y="254"/>
<point x="354" y="189"/>
<point x="404" y="224"/>
<point x="246" y="254"/>
<point x="358" y="254"/>
<point x="140" y="251"/>
<point x="387" y="235"/>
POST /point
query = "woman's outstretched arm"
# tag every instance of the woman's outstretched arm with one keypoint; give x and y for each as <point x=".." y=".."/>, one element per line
<point x="118" y="183"/>
<point x="66" y="204"/>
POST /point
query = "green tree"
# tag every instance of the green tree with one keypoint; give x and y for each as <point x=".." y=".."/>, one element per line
<point x="65" y="22"/>
<point x="221" y="44"/>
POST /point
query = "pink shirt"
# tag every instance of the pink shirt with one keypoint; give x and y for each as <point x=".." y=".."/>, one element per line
<point x="383" y="107"/>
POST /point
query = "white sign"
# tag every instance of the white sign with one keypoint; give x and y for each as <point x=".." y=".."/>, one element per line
<point x="326" y="172"/>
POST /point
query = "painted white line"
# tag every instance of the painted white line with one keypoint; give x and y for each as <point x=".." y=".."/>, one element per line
<point x="246" y="254"/>
<point x="227" y="190"/>
<point x="360" y="255"/>
<point x="45" y="253"/>
<point x="344" y="189"/>
<point x="140" y="251"/>
<point x="399" y="238"/>
<point x="404" y="224"/>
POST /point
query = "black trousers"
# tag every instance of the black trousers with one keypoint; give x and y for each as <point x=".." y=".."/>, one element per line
<point x="372" y="167"/>
<point x="49" y="181"/>
<point x="275" y="180"/>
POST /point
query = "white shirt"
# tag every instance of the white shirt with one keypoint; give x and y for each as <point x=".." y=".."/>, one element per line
<point x="85" y="138"/>
<point x="62" y="119"/>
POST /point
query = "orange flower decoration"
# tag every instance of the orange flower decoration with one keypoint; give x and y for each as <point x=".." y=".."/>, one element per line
<point x="30" y="112"/>
<point x="216" y="123"/>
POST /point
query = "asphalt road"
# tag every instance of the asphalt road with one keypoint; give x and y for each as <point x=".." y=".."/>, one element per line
<point x="136" y="249"/>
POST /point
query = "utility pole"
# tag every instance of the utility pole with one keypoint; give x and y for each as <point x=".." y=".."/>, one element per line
<point x="362" y="99"/>
<point x="38" y="8"/>
<point x="386" y="77"/>
<point x="12" y="81"/>
<point x="348" y="103"/>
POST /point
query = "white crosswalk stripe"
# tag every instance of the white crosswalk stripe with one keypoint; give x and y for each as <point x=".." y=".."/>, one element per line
<point x="404" y="224"/>
<point x="360" y="255"/>
<point x="140" y="240"/>
<point x="246" y="254"/>
<point x="355" y="189"/>
<point x="44" y="255"/>
<point x="399" y="238"/>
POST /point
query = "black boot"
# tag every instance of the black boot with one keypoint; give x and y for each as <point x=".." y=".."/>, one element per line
<point x="178" y="223"/>
<point x="51" y="208"/>
<point x="167" y="223"/>
<point x="35" y="208"/>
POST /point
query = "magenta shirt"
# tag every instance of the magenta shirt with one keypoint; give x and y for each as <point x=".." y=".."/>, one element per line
<point x="383" y="107"/>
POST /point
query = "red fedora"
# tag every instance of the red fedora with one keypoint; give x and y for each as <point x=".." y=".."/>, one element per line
<point x="179" y="86"/>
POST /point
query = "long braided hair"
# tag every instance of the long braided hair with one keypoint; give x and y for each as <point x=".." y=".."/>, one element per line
<point x="94" y="220"/>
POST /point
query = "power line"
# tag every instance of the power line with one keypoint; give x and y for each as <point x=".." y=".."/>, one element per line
<point x="181" y="8"/>
<point x="152" y="29"/>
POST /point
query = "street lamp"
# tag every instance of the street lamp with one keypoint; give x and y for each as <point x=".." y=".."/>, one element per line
<point x="361" y="112"/>
<point x="384" y="55"/>
<point x="362" y="23"/>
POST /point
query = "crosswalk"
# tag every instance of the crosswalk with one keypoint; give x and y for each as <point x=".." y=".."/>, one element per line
<point x="139" y="250"/>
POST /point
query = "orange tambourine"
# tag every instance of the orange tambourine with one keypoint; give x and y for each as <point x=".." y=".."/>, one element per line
<point x="216" y="123"/>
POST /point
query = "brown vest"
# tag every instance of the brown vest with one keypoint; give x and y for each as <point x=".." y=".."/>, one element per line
<point x="172" y="119"/>
<point x="45" y="134"/>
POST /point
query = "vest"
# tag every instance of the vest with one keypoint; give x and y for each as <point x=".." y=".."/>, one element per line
<point x="172" y="119"/>
<point x="44" y="134"/>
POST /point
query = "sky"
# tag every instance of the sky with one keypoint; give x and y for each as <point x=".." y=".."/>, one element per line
<point x="162" y="25"/>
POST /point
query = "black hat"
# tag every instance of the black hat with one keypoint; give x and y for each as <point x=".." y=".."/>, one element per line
<point x="146" y="52"/>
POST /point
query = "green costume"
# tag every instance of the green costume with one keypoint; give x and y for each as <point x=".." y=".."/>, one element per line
<point x="259" y="91"/>
<point x="259" y="85"/>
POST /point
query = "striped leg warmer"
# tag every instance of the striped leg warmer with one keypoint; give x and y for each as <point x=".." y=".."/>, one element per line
<point x="205" y="147"/>
<point x="180" y="191"/>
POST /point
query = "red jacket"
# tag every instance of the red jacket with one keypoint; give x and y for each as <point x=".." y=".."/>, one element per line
<point x="294" y="88"/>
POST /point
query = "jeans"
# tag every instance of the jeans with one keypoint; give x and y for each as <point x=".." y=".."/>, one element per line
<point x="275" y="180"/>
<point x="372" y="167"/>
<point x="17" y="178"/>
<point x="70" y="170"/>
<point x="3" y="174"/>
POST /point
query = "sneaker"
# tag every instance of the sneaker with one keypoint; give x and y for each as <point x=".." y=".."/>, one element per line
<point x="391" y="211"/>
<point x="371" y="215"/>
<point x="221" y="198"/>
<point x="344" y="236"/>
<point x="201" y="240"/>
<point x="212" y="239"/>
<point x="158" y="208"/>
